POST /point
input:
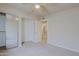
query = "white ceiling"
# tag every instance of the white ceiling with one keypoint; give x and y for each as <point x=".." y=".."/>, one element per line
<point x="48" y="8"/>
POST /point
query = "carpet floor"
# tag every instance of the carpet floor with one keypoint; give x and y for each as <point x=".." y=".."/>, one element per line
<point x="35" y="49"/>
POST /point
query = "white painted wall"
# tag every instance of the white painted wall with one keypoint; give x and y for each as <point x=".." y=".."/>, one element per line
<point x="11" y="30"/>
<point x="28" y="30"/>
<point x="63" y="29"/>
<point x="37" y="30"/>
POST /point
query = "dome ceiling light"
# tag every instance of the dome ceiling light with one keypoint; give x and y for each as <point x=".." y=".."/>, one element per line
<point x="37" y="6"/>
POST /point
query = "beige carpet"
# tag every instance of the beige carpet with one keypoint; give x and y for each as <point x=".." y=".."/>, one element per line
<point x="35" y="49"/>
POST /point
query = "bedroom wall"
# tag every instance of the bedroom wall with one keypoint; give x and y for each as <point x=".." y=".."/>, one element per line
<point x="63" y="29"/>
<point x="28" y="30"/>
<point x="37" y="30"/>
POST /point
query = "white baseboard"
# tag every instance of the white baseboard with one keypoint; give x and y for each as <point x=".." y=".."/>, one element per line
<point x="74" y="50"/>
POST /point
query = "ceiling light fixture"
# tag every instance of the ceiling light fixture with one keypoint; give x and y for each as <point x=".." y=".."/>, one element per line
<point x="17" y="18"/>
<point x="37" y="6"/>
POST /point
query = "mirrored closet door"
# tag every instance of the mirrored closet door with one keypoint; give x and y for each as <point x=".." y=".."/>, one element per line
<point x="2" y="30"/>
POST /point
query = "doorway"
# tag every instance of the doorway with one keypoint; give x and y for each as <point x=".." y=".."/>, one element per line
<point x="44" y="30"/>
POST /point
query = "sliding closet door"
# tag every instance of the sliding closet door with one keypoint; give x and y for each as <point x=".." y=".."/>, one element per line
<point x="2" y="30"/>
<point x="11" y="31"/>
